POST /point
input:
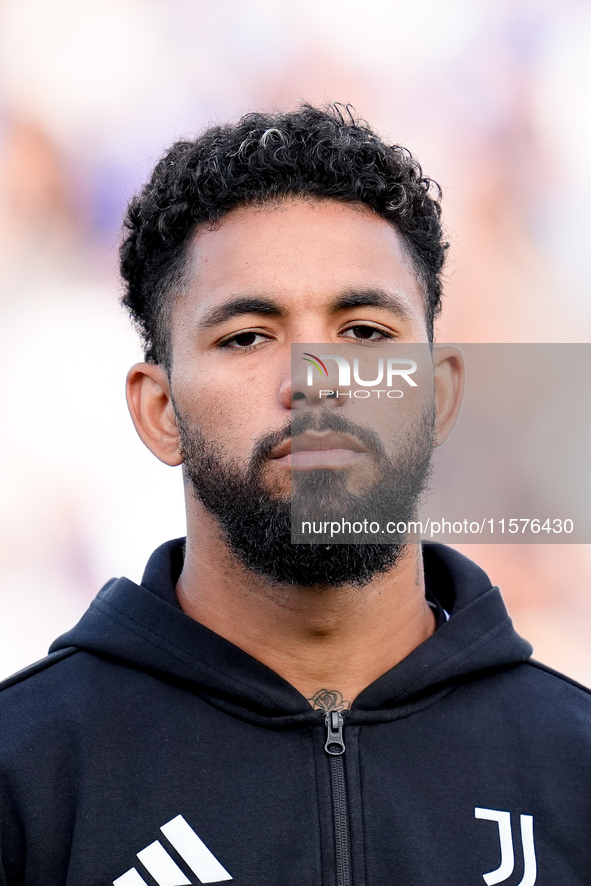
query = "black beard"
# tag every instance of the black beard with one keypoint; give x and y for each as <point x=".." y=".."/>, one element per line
<point x="258" y="526"/>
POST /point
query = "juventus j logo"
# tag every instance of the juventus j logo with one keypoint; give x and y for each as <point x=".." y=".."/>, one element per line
<point x="507" y="866"/>
<point x="164" y="869"/>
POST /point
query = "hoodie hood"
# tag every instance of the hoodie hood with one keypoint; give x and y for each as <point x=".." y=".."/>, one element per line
<point x="144" y="628"/>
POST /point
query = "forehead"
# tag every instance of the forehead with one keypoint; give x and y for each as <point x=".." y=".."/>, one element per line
<point x="302" y="254"/>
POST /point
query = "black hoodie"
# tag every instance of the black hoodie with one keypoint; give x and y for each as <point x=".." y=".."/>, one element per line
<point x="146" y="749"/>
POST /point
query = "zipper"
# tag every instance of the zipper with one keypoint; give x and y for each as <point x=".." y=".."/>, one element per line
<point x="335" y="748"/>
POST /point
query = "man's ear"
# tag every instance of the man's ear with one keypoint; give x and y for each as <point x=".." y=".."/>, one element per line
<point x="449" y="371"/>
<point x="150" y="404"/>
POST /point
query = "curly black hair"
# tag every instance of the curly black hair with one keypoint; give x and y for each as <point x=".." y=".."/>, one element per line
<point x="320" y="153"/>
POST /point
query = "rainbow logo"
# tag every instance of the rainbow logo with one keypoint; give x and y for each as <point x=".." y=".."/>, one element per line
<point x="317" y="362"/>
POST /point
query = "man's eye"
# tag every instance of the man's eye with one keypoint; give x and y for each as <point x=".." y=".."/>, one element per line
<point x="366" y="333"/>
<point x="244" y="340"/>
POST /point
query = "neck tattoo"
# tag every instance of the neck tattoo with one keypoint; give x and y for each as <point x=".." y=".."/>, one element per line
<point x="329" y="700"/>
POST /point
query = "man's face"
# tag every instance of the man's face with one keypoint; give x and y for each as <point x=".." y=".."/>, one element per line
<point x="264" y="279"/>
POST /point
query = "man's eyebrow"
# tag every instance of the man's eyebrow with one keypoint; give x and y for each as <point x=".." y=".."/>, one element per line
<point x="239" y="306"/>
<point x="373" y="298"/>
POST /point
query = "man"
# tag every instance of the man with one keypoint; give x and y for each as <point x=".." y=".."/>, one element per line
<point x="264" y="712"/>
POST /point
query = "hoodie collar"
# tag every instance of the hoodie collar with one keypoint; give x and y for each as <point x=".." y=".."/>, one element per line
<point x="143" y="627"/>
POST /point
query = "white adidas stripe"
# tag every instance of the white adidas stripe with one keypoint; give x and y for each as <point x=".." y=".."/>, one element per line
<point x="165" y="870"/>
<point x="158" y="862"/>
<point x="194" y="851"/>
<point x="130" y="878"/>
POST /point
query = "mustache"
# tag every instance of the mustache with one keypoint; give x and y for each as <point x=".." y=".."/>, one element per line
<point x="329" y="420"/>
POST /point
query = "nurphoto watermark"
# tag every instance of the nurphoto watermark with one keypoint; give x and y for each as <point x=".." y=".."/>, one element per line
<point x="395" y="442"/>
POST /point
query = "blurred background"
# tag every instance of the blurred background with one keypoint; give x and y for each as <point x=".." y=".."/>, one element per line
<point x="491" y="95"/>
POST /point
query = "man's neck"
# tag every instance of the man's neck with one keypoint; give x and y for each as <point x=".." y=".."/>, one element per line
<point x="329" y="643"/>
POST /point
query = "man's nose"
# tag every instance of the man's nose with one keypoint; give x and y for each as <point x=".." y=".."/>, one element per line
<point x="307" y="386"/>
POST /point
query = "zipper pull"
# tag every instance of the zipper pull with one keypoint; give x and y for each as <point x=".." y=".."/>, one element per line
<point x="335" y="746"/>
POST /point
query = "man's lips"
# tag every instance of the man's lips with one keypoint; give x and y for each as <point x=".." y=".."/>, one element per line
<point x="318" y="449"/>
